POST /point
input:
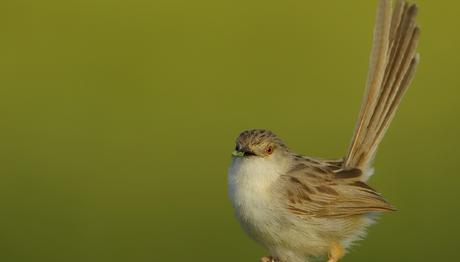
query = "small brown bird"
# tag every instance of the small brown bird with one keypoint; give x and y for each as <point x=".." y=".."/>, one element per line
<point x="301" y="208"/>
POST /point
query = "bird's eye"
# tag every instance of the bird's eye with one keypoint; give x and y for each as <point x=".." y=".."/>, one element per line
<point x="269" y="150"/>
<point x="236" y="147"/>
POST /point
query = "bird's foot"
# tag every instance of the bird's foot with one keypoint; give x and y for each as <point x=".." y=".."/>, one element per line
<point x="336" y="252"/>
<point x="268" y="259"/>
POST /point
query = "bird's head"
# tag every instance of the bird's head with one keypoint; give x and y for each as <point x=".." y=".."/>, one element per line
<point x="258" y="143"/>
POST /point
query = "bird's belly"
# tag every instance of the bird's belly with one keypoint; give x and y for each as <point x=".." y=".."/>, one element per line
<point x="263" y="215"/>
<point x="266" y="220"/>
<point x="257" y="216"/>
<point x="289" y="237"/>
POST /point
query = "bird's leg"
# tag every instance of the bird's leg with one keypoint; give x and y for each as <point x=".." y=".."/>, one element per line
<point x="268" y="259"/>
<point x="265" y="259"/>
<point x="336" y="252"/>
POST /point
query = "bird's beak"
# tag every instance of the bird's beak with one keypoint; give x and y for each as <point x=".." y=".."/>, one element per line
<point x="244" y="152"/>
<point x="237" y="153"/>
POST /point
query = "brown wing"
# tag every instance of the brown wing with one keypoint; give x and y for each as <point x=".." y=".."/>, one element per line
<point x="317" y="190"/>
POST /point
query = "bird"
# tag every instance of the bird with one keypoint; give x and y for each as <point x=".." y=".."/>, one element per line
<point x="303" y="208"/>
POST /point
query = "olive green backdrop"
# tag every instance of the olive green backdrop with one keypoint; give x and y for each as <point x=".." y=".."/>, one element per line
<point x="117" y="119"/>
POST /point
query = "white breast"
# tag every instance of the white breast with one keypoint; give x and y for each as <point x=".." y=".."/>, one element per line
<point x="256" y="196"/>
<point x="250" y="182"/>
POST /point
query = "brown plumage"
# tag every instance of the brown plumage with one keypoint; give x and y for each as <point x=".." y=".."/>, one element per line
<point x="330" y="193"/>
<point x="300" y="207"/>
<point x="392" y="67"/>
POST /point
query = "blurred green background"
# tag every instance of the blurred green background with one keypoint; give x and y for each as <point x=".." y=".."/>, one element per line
<point x="117" y="119"/>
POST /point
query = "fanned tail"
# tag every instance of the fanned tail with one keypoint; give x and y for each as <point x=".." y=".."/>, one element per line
<point x="392" y="66"/>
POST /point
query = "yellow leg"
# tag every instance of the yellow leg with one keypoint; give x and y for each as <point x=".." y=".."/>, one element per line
<point x="336" y="252"/>
<point x="265" y="259"/>
<point x="268" y="259"/>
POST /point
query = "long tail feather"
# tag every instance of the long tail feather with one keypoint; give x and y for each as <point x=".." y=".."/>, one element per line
<point x="392" y="66"/>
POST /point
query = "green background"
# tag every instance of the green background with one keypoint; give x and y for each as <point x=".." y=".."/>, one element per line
<point x="117" y="119"/>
